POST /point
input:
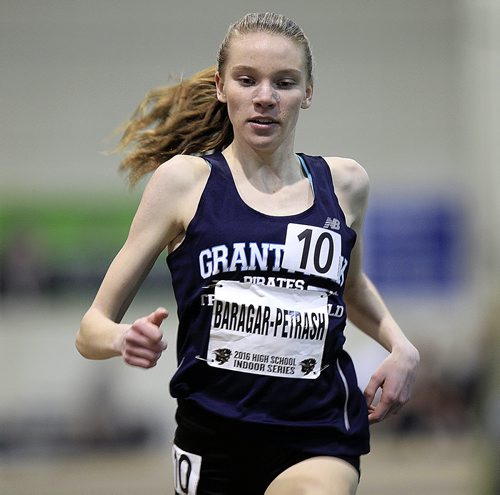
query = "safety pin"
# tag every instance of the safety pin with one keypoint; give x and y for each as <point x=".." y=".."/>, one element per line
<point x="321" y="369"/>
<point x="203" y="359"/>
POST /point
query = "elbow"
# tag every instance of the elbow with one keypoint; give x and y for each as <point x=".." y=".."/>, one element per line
<point x="83" y="338"/>
<point x="80" y="344"/>
<point x="96" y="339"/>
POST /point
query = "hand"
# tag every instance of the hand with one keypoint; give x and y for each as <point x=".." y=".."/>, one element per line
<point x="142" y="343"/>
<point x="395" y="377"/>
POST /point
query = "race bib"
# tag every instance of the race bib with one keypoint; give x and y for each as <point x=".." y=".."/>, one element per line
<point x="268" y="330"/>
<point x="313" y="251"/>
<point x="187" y="468"/>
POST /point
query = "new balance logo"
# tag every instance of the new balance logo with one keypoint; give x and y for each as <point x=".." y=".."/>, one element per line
<point x="332" y="223"/>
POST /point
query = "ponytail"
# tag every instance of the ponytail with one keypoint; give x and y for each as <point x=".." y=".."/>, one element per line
<point x="186" y="118"/>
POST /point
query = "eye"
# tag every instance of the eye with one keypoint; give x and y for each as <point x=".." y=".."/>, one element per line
<point x="285" y="83"/>
<point x="245" y="81"/>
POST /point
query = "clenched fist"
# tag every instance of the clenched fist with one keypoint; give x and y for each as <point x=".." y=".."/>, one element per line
<point x="142" y="343"/>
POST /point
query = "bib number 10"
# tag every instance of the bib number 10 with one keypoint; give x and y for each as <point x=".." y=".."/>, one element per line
<point x="313" y="251"/>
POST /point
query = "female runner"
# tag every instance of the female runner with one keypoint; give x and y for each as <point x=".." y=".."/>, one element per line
<point x="264" y="248"/>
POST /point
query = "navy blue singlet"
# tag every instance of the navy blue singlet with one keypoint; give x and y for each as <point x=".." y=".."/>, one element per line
<point x="270" y="257"/>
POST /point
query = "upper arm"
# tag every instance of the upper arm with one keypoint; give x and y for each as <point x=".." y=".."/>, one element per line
<point x="352" y="188"/>
<point x="166" y="208"/>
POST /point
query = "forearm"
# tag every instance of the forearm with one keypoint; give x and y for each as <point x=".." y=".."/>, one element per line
<point x="367" y="311"/>
<point x="99" y="337"/>
<point x="396" y="374"/>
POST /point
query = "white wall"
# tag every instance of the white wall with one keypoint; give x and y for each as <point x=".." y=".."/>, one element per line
<point x="386" y="93"/>
<point x="409" y="88"/>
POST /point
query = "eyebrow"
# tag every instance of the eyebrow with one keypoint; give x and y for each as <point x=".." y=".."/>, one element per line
<point x="247" y="68"/>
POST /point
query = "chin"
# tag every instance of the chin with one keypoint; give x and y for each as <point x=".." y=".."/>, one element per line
<point x="264" y="143"/>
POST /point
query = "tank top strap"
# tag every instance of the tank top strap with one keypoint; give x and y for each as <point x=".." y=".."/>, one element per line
<point x="319" y="173"/>
<point x="217" y="162"/>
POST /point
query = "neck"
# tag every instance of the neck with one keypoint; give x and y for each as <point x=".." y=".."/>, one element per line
<point x="265" y="170"/>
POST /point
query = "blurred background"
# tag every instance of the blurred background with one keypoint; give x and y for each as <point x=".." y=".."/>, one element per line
<point x="407" y="88"/>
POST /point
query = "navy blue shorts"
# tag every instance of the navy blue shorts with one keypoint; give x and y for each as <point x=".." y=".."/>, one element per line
<point x="213" y="461"/>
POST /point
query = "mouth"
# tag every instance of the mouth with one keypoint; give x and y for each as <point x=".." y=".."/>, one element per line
<point x="262" y="121"/>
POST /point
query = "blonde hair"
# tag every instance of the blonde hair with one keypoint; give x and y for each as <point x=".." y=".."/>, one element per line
<point x="267" y="23"/>
<point x="187" y="118"/>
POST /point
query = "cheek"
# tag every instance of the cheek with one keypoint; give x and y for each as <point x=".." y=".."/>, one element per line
<point x="235" y="105"/>
<point x="293" y="108"/>
<point x="232" y="109"/>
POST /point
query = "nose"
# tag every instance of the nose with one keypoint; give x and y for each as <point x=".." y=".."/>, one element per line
<point x="265" y="96"/>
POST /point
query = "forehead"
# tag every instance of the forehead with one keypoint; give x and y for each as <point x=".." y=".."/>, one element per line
<point x="264" y="50"/>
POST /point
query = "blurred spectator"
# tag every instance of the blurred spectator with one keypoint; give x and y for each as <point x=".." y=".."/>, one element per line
<point x="490" y="403"/>
<point x="22" y="263"/>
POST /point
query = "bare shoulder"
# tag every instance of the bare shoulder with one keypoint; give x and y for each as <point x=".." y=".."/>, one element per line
<point x="171" y="197"/>
<point x="351" y="184"/>
<point x="348" y="175"/>
<point x="176" y="182"/>
<point x="182" y="172"/>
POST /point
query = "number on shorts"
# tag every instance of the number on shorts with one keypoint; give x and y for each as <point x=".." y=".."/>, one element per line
<point x="186" y="471"/>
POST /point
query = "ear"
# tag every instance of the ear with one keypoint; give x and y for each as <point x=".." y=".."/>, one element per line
<point x="306" y="102"/>
<point x="219" y="84"/>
